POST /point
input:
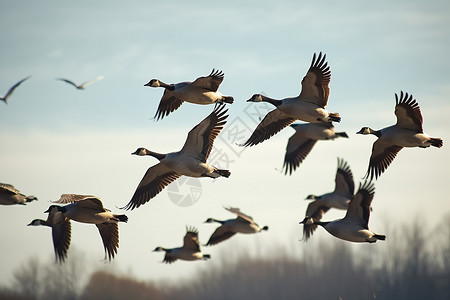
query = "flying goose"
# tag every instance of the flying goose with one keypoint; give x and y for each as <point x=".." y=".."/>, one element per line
<point x="309" y="106"/>
<point x="339" y="198"/>
<point x="201" y="91"/>
<point x="189" y="251"/>
<point x="305" y="137"/>
<point x="189" y="161"/>
<point x="83" y="85"/>
<point x="407" y="132"/>
<point x="89" y="209"/>
<point x="61" y="232"/>
<point x="11" y="90"/>
<point x="228" y="228"/>
<point x="354" y="226"/>
<point x="9" y="195"/>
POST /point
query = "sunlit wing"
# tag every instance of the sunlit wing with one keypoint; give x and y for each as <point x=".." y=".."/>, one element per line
<point x="315" y="85"/>
<point x="272" y="123"/>
<point x="210" y="82"/>
<point x="154" y="181"/>
<point x="408" y="113"/>
<point x="190" y="240"/>
<point x="86" y="83"/>
<point x="345" y="184"/>
<point x="240" y="214"/>
<point x="358" y="210"/>
<point x="110" y="237"/>
<point x="9" y="188"/>
<point x="201" y="138"/>
<point x="84" y="201"/>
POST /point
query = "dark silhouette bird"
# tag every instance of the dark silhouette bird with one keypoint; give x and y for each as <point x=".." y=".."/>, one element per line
<point x="83" y="85"/>
<point x="11" y="90"/>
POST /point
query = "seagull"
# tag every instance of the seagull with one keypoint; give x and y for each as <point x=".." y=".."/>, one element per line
<point x="407" y="132"/>
<point x="189" y="161"/>
<point x="354" y="226"/>
<point x="11" y="90"/>
<point x="204" y="90"/>
<point x="309" y="106"/>
<point x="83" y="85"/>
<point x="189" y="251"/>
<point x="242" y="224"/>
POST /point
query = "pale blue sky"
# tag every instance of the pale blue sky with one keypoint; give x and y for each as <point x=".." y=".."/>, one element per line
<point x="56" y="139"/>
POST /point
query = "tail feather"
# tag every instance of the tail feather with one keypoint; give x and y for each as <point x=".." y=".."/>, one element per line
<point x="223" y="173"/>
<point x="380" y="237"/>
<point x="342" y="134"/>
<point x="437" y="142"/>
<point x="334" y="117"/>
<point x="227" y="99"/>
<point x="122" y="218"/>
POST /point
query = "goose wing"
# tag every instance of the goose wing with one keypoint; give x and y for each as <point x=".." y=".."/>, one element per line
<point x="210" y="82"/>
<point x="241" y="216"/>
<point x="272" y="123"/>
<point x="382" y="155"/>
<point x="9" y="188"/>
<point x="154" y="181"/>
<point x="408" y="113"/>
<point x="315" y="210"/>
<point x="315" y="85"/>
<point x="11" y="89"/>
<point x="345" y="184"/>
<point x="68" y="81"/>
<point x="61" y="235"/>
<point x="86" y="83"/>
<point x="190" y="240"/>
<point x="169" y="258"/>
<point x="83" y="201"/>
<point x="298" y="147"/>
<point x="110" y="237"/>
<point x="358" y="210"/>
<point x="201" y="138"/>
<point x="221" y="234"/>
<point x="169" y="103"/>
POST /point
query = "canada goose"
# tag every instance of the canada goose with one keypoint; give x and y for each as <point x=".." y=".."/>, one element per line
<point x="9" y="195"/>
<point x="61" y="232"/>
<point x="309" y="106"/>
<point x="228" y="228"/>
<point x="202" y="91"/>
<point x="354" y="226"/>
<point x="407" y="132"/>
<point x="189" y="161"/>
<point x="11" y="90"/>
<point x="305" y="137"/>
<point x="189" y="251"/>
<point x="89" y="209"/>
<point x="83" y="85"/>
<point x="339" y="198"/>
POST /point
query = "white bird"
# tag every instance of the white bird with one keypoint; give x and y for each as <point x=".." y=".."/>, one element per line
<point x="189" y="251"/>
<point x="242" y="224"/>
<point x="305" y="137"/>
<point x="61" y="232"/>
<point x="11" y="90"/>
<point x="354" y="226"/>
<point x="189" y="161"/>
<point x="309" y="106"/>
<point x="339" y="198"/>
<point x="407" y="132"/>
<point x="204" y="90"/>
<point x="9" y="195"/>
<point x="89" y="209"/>
<point x="83" y="85"/>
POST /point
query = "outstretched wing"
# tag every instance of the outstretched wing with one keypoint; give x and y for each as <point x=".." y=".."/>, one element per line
<point x="210" y="82"/>
<point x="68" y="81"/>
<point x="359" y="207"/>
<point x="221" y="234"/>
<point x="110" y="237"/>
<point x="345" y="184"/>
<point x="241" y="215"/>
<point x="298" y="147"/>
<point x="86" y="83"/>
<point x="154" y="181"/>
<point x="316" y="211"/>
<point x="408" y="113"/>
<point x="190" y="240"/>
<point x="382" y="156"/>
<point x="11" y="89"/>
<point x="169" y="103"/>
<point x="201" y="138"/>
<point x="315" y="85"/>
<point x="9" y="188"/>
<point x="84" y="201"/>
<point x="61" y="235"/>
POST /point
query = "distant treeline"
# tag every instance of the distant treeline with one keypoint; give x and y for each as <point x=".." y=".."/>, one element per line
<point x="415" y="265"/>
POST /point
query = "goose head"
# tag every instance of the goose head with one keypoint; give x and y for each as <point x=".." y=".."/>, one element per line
<point x="365" y="130"/>
<point x="210" y="220"/>
<point x="30" y="198"/>
<point x="141" y="152"/>
<point x="153" y="83"/>
<point x="307" y="221"/>
<point x="37" y="222"/>
<point x="255" y="98"/>
<point x="311" y="197"/>
<point x="159" y="249"/>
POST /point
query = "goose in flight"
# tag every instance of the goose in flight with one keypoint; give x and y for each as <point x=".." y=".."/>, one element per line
<point x="61" y="232"/>
<point x="228" y="228"/>
<point x="309" y="106"/>
<point x="189" y="251"/>
<point x="9" y="195"/>
<point x="201" y="91"/>
<point x="83" y="85"/>
<point x="305" y="137"/>
<point x="89" y="209"/>
<point x="354" y="226"/>
<point x="339" y="198"/>
<point x="407" y="132"/>
<point x="11" y="90"/>
<point x="189" y="161"/>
